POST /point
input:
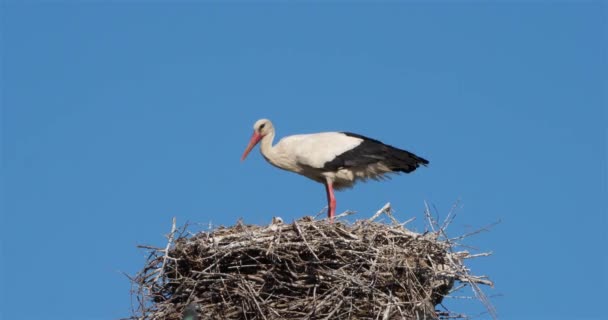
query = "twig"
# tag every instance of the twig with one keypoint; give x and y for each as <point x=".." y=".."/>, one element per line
<point x="384" y="209"/>
<point x="166" y="251"/>
<point x="450" y="217"/>
<point x="429" y="217"/>
<point x="483" y="229"/>
<point x="345" y="213"/>
<point x="301" y="234"/>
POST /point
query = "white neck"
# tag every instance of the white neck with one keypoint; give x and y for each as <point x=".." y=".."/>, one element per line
<point x="266" y="147"/>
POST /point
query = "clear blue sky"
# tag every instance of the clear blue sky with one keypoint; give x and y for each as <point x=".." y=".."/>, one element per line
<point x="117" y="117"/>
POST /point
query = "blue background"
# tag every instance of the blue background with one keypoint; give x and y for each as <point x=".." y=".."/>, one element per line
<point x="118" y="117"/>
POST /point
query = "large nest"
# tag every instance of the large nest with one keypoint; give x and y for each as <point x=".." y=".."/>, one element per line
<point x="307" y="269"/>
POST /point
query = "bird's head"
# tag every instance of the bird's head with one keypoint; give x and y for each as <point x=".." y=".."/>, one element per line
<point x="261" y="128"/>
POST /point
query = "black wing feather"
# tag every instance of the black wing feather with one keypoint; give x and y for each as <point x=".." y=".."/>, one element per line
<point x="372" y="151"/>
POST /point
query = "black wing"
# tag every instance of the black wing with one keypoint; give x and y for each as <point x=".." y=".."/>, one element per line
<point x="372" y="151"/>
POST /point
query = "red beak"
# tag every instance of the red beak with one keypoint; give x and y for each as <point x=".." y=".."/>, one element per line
<point x="255" y="138"/>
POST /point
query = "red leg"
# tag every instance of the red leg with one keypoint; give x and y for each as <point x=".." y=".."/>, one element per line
<point x="331" y="200"/>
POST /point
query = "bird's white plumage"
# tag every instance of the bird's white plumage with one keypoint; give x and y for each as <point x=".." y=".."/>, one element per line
<point x="314" y="150"/>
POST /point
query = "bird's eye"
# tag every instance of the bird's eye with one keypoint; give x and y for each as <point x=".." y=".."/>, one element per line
<point x="261" y="126"/>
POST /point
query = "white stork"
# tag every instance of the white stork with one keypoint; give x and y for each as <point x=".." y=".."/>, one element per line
<point x="335" y="159"/>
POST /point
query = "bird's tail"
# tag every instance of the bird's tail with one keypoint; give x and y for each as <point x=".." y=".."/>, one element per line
<point x="404" y="161"/>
